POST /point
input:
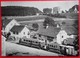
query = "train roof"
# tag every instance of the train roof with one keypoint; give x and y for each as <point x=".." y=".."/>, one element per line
<point x="32" y="39"/>
<point x="67" y="46"/>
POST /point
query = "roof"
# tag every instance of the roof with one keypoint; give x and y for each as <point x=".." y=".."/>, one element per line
<point x="17" y="28"/>
<point x="70" y="30"/>
<point x="69" y="41"/>
<point x="33" y="32"/>
<point x="5" y="22"/>
<point x="32" y="39"/>
<point x="50" y="31"/>
<point x="66" y="22"/>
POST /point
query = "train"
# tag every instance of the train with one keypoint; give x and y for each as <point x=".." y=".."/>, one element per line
<point x="53" y="47"/>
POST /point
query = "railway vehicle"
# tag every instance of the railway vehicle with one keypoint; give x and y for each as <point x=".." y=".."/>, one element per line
<point x="32" y="42"/>
<point x="53" y="47"/>
<point x="67" y="50"/>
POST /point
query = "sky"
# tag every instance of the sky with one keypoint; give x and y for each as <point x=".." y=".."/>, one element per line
<point x="63" y="5"/>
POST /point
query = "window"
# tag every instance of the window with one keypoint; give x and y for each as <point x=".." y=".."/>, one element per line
<point x="39" y="35"/>
<point x="16" y="32"/>
<point x="62" y="36"/>
<point x="24" y="33"/>
<point x="13" y="32"/>
<point x="28" y="33"/>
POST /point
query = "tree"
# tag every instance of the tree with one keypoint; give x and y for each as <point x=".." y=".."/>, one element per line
<point x="35" y="26"/>
<point x="66" y="11"/>
<point x="19" y="11"/>
<point x="63" y="23"/>
<point x="48" y="21"/>
<point x="63" y="11"/>
<point x="47" y="10"/>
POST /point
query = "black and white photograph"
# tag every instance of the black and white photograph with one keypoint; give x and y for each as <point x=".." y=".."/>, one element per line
<point x="40" y="28"/>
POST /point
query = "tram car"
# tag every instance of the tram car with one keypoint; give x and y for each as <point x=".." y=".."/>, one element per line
<point x="53" y="47"/>
<point x="67" y="50"/>
<point x="32" y="42"/>
<point x="62" y="49"/>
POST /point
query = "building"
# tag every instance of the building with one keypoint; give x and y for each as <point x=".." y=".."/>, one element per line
<point x="7" y="24"/>
<point x="56" y="34"/>
<point x="48" y="34"/>
<point x="20" y="31"/>
<point x="56" y="10"/>
<point x="66" y="32"/>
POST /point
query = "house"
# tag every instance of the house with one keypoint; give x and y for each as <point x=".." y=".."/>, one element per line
<point x="33" y="34"/>
<point x="66" y="32"/>
<point x="49" y="34"/>
<point x="56" y="10"/>
<point x="56" y="34"/>
<point x="7" y="24"/>
<point x="20" y="31"/>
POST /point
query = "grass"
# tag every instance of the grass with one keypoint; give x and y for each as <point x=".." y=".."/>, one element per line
<point x="25" y="18"/>
<point x="70" y="15"/>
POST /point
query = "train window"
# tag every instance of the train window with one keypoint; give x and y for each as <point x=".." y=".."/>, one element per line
<point x="29" y="40"/>
<point x="54" y="46"/>
<point x="24" y="39"/>
<point x="39" y="35"/>
<point x="49" y="45"/>
<point x="33" y="41"/>
<point x="41" y="39"/>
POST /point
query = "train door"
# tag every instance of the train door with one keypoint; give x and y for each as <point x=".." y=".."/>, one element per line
<point x="72" y="51"/>
<point x="62" y="49"/>
<point x="45" y="44"/>
<point x="68" y="52"/>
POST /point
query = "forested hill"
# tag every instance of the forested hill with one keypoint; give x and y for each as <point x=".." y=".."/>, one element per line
<point x="19" y="11"/>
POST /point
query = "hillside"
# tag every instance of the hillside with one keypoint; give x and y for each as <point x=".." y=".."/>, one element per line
<point x="19" y="11"/>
